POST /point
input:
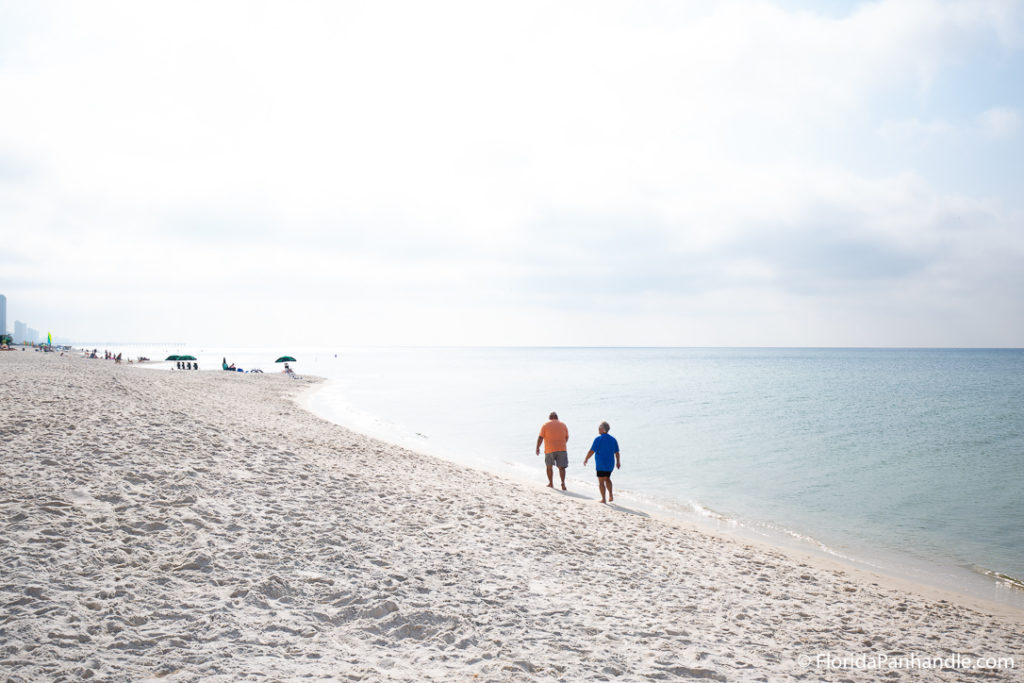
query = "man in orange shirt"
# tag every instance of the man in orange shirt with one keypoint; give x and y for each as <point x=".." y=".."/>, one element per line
<point x="555" y="437"/>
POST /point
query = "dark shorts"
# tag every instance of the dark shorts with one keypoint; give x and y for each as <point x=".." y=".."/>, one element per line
<point x="602" y="473"/>
<point x="557" y="459"/>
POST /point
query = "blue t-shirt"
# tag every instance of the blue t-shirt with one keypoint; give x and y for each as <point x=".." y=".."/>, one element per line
<point x="605" y="447"/>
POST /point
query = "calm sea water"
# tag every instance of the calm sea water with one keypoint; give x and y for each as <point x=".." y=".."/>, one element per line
<point x="907" y="461"/>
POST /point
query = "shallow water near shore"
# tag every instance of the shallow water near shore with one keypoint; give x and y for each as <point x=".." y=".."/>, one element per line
<point x="908" y="462"/>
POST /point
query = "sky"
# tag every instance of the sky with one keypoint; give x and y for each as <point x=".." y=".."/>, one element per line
<point x="728" y="173"/>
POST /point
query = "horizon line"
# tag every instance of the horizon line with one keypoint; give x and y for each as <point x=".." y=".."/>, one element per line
<point x="557" y="346"/>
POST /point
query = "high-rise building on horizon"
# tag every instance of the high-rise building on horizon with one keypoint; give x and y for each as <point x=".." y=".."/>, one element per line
<point x="20" y="331"/>
<point x="33" y="336"/>
<point x="3" y="315"/>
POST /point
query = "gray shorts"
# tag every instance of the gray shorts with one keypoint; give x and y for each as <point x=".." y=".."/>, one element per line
<point x="557" y="459"/>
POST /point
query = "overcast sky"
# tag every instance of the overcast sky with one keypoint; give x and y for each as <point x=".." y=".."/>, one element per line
<point x="549" y="173"/>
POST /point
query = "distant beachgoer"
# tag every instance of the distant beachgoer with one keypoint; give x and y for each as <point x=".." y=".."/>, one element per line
<point x="224" y="363"/>
<point x="606" y="451"/>
<point x="555" y="437"/>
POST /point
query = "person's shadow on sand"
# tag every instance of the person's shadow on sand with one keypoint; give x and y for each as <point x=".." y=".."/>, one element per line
<point x="630" y="511"/>
<point x="612" y="505"/>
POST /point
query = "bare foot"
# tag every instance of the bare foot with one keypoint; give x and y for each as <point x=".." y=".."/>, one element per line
<point x="610" y="498"/>
<point x="604" y="501"/>
<point x="563" y="488"/>
<point x="551" y="486"/>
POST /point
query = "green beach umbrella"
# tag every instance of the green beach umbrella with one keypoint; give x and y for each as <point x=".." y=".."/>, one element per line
<point x="285" y="359"/>
<point x="185" y="358"/>
<point x="173" y="358"/>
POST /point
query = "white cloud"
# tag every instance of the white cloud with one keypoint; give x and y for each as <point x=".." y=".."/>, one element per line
<point x="916" y="130"/>
<point x="994" y="124"/>
<point x="385" y="160"/>
<point x="1000" y="123"/>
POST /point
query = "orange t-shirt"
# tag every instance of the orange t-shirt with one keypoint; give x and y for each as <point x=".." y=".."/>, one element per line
<point x="556" y="436"/>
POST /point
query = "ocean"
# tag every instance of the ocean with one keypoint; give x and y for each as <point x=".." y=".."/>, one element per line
<point x="909" y="462"/>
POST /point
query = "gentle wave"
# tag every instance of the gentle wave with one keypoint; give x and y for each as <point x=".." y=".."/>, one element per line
<point x="1000" y="578"/>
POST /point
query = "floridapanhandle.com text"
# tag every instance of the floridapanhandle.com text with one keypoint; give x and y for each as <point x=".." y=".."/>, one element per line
<point x="880" y="661"/>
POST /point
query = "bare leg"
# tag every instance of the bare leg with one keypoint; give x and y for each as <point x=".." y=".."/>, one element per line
<point x="551" y="481"/>
<point x="561" y="473"/>
<point x="608" y="483"/>
<point x="600" y="485"/>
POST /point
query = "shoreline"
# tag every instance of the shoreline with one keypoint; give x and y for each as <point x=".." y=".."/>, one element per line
<point x="738" y="532"/>
<point x="206" y="526"/>
<point x="744" y="531"/>
<point x="938" y="562"/>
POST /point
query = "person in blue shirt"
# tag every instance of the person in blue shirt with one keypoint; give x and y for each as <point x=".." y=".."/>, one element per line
<point x="606" y="458"/>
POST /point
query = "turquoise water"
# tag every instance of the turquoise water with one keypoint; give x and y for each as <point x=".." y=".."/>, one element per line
<point x="907" y="461"/>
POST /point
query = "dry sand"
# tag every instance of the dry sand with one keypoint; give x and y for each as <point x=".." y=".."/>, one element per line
<point x="189" y="526"/>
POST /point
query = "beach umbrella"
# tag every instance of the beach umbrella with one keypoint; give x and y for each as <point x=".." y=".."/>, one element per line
<point x="173" y="358"/>
<point x="185" y="358"/>
<point x="285" y="359"/>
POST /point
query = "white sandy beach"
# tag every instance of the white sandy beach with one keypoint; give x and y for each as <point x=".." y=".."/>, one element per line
<point x="203" y="526"/>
